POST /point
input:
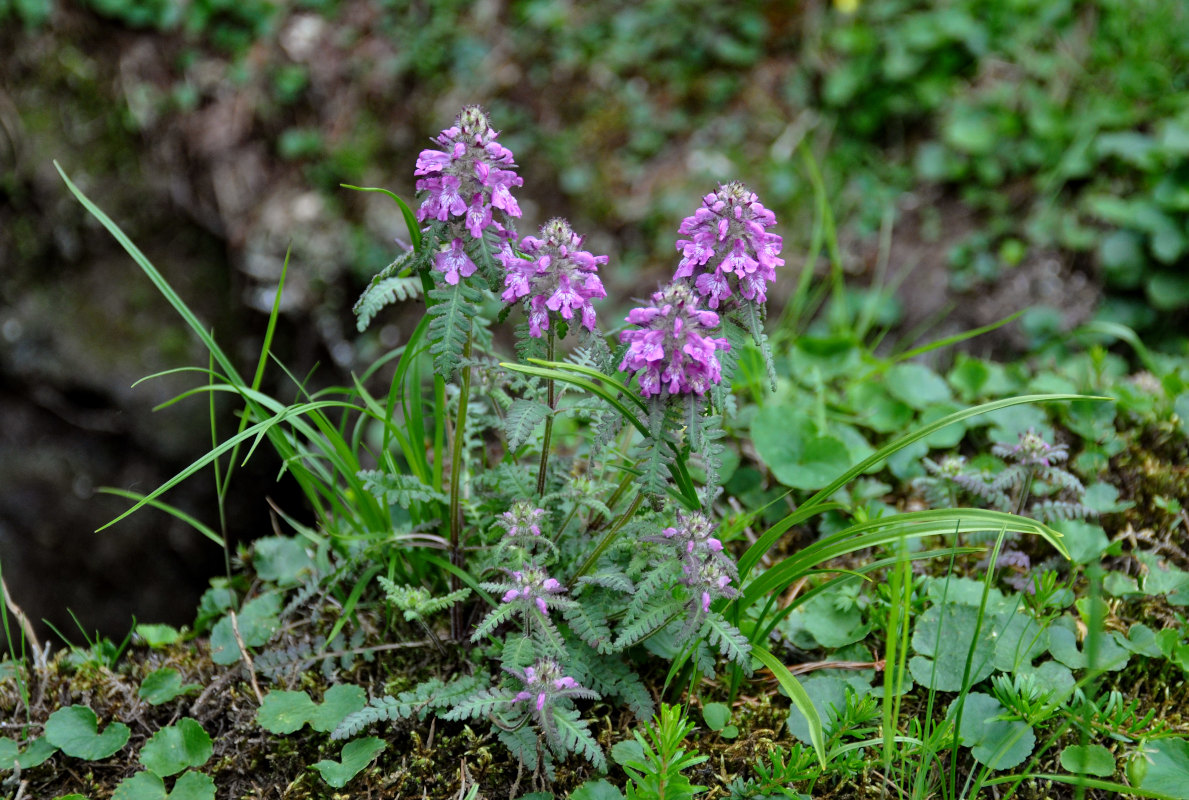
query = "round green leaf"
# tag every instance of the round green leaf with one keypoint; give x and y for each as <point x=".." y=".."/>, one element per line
<point x="177" y="747"/>
<point x="281" y="559"/>
<point x="942" y="637"/>
<point x="717" y="715"/>
<point x="9" y="750"/>
<point x="997" y="743"/>
<point x="75" y="731"/>
<point x="141" y="786"/>
<point x="1089" y="759"/>
<point x="1168" y="772"/>
<point x="163" y="685"/>
<point x="917" y="385"/>
<point x="796" y="453"/>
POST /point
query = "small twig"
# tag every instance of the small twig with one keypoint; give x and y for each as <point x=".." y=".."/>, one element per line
<point x="243" y="651"/>
<point x="217" y="684"/>
<point x="39" y="656"/>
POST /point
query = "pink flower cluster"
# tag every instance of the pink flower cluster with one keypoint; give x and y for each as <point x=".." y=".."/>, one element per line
<point x="558" y="276"/>
<point x="464" y="183"/>
<point x="672" y="351"/>
<point x="706" y="569"/>
<point x="544" y="683"/>
<point x="1032" y="450"/>
<point x="727" y="243"/>
<point x="532" y="586"/>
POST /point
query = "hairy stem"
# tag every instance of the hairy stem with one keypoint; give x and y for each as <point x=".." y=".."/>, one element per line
<point x="457" y="557"/>
<point x="606" y="541"/>
<point x="550" y="400"/>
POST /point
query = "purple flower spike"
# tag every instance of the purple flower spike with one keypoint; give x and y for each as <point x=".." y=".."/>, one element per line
<point x="672" y="351"/>
<point x="544" y="684"/>
<point x="727" y="237"/>
<point x="469" y="177"/>
<point x="532" y="588"/>
<point x="558" y="277"/>
<point x="706" y="569"/>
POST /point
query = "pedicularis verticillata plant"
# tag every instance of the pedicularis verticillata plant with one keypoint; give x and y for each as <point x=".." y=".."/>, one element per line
<point x="613" y="550"/>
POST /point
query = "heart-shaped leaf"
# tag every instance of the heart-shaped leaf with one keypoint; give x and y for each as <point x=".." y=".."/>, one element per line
<point x="356" y="755"/>
<point x="149" y="786"/>
<point x="163" y="685"/>
<point x="75" y="731"/>
<point x="173" y="749"/>
<point x="287" y="712"/>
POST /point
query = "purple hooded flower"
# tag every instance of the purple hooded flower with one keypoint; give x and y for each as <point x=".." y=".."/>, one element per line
<point x="727" y="243"/>
<point x="454" y="261"/>
<point x="671" y="352"/>
<point x="544" y="684"/>
<point x="1032" y="450"/>
<point x="558" y="277"/>
<point x="705" y="567"/>
<point x="464" y="182"/>
<point x="531" y="587"/>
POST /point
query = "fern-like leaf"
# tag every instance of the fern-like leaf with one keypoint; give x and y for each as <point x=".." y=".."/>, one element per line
<point x="482" y="703"/>
<point x="523" y="743"/>
<point x="498" y="615"/>
<point x="572" y="735"/>
<point x="753" y="317"/>
<point x="387" y="287"/>
<point x="399" y="490"/>
<point x="652" y="619"/>
<point x="727" y="638"/>
<point x="451" y="318"/>
<point x="590" y="624"/>
<point x="522" y="419"/>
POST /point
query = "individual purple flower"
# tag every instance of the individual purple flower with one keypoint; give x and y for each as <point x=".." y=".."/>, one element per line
<point x="453" y="260"/>
<point x="558" y="276"/>
<point x="672" y="351"/>
<point x="544" y="684"/>
<point x="727" y="236"/>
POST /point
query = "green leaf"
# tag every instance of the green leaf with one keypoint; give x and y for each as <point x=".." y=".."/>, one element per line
<point x="917" y="385"/>
<point x="717" y="715"/>
<point x="173" y="749"/>
<point x="75" y="731"/>
<point x="943" y="637"/>
<point x="355" y="756"/>
<point x="997" y="743"/>
<point x="193" y="786"/>
<point x="9" y="750"/>
<point x="1169" y="771"/>
<point x="796" y="453"/>
<point x="1063" y="645"/>
<point x="282" y="560"/>
<point x="285" y="712"/>
<point x="158" y="636"/>
<point x="141" y="786"/>
<point x="1085" y="540"/>
<point x="36" y="753"/>
<point x="162" y="685"/>
<point x="257" y="622"/>
<point x="338" y="702"/>
<point x="599" y="789"/>
<point x="1088" y="759"/>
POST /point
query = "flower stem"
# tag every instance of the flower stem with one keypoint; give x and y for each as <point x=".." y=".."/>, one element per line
<point x="550" y="400"/>
<point x="606" y="541"/>
<point x="456" y="550"/>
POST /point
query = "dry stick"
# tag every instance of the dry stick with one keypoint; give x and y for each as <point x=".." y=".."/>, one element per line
<point x="26" y="626"/>
<point x="243" y="651"/>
